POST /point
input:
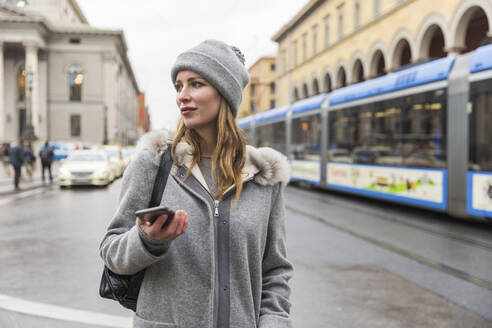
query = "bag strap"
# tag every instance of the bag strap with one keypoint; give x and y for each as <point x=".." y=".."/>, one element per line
<point x="161" y="177"/>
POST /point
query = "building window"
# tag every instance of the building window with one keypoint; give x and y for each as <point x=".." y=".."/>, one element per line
<point x="304" y="47"/>
<point x="340" y="22"/>
<point x="21" y="83"/>
<point x="272" y="104"/>
<point x="315" y="40"/>
<point x="74" y="41"/>
<point x="272" y="67"/>
<point x="75" y="125"/>
<point x="272" y="88"/>
<point x="76" y="79"/>
<point x="295" y="53"/>
<point x="252" y="89"/>
<point x="357" y="14"/>
<point x="377" y="8"/>
<point x="327" y="31"/>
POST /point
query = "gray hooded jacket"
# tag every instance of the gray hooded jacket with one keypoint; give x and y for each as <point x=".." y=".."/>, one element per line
<point x="229" y="269"/>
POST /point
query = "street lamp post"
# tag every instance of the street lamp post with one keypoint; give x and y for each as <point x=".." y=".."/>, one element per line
<point x="28" y="133"/>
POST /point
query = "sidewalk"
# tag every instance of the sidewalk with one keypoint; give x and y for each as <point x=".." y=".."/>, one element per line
<point x="26" y="183"/>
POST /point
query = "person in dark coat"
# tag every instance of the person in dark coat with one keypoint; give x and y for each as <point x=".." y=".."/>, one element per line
<point x="46" y="154"/>
<point x="17" y="159"/>
<point x="29" y="160"/>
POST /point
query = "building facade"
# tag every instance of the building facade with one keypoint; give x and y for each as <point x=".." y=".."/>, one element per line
<point x="259" y="94"/>
<point x="333" y="43"/>
<point x="73" y="82"/>
<point x="143" y="116"/>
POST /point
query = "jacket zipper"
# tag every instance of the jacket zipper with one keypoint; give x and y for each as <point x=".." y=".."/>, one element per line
<point x="216" y="273"/>
<point x="216" y="202"/>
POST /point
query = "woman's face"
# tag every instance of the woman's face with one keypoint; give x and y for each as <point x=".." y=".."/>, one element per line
<point x="197" y="100"/>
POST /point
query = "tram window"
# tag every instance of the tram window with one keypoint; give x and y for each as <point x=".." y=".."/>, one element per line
<point x="271" y="135"/>
<point x="425" y="130"/>
<point x="405" y="131"/>
<point x="306" y="137"/>
<point x="480" y="123"/>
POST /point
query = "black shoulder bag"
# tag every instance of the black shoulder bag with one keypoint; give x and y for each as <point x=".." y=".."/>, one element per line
<point x="125" y="288"/>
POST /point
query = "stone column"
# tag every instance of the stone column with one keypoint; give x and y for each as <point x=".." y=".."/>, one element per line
<point x="3" y="127"/>
<point x="109" y="87"/>
<point x="32" y="66"/>
<point x="455" y="50"/>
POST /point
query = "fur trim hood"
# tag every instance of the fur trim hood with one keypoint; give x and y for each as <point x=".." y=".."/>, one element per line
<point x="267" y="165"/>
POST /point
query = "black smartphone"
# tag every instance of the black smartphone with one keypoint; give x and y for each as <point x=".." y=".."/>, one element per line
<point x="151" y="214"/>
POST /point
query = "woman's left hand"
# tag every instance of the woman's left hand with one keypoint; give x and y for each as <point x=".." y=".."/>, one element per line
<point x="173" y="230"/>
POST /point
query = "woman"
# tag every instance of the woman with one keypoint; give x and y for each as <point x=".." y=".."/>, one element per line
<point x="221" y="261"/>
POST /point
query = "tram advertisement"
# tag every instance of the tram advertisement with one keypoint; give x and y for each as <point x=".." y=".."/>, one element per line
<point x="306" y="170"/>
<point x="414" y="185"/>
<point x="481" y="192"/>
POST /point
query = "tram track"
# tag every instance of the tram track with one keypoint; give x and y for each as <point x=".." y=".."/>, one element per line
<point x="463" y="275"/>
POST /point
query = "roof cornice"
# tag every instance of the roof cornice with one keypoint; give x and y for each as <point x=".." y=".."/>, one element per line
<point x="79" y="12"/>
<point x="297" y="19"/>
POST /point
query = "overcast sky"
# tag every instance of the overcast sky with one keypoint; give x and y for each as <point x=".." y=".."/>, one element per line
<point x="157" y="31"/>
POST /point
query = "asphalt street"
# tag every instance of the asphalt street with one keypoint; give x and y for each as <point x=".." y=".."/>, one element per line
<point x="358" y="263"/>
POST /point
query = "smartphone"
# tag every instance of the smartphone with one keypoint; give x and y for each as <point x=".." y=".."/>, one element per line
<point x="151" y="214"/>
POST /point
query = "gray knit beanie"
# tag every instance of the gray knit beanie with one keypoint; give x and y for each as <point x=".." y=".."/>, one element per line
<point x="221" y="65"/>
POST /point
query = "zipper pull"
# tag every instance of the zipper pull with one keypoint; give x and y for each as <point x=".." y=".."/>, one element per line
<point x="216" y="207"/>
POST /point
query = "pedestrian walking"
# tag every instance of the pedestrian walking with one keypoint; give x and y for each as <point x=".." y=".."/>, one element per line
<point x="29" y="160"/>
<point x="6" y="158"/>
<point x="46" y="155"/>
<point x="221" y="260"/>
<point x="17" y="160"/>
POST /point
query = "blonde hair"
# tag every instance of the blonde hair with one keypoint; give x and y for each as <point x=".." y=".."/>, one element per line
<point x="229" y="155"/>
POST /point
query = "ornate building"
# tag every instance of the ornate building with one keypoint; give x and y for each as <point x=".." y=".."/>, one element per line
<point x="332" y="43"/>
<point x="259" y="94"/>
<point x="73" y="82"/>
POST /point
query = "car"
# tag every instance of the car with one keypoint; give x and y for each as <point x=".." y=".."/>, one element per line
<point x="85" y="167"/>
<point x="115" y="155"/>
<point x="386" y="156"/>
<point x="128" y="153"/>
<point x="339" y="155"/>
<point x="62" y="149"/>
<point x="426" y="158"/>
<point x="363" y="155"/>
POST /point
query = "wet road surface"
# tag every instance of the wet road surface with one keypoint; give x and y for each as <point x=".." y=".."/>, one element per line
<point x="358" y="263"/>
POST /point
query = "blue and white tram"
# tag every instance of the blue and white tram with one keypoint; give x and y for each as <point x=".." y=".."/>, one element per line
<point x="419" y="136"/>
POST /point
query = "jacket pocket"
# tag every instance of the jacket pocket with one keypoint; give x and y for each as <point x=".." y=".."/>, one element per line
<point x="139" y="322"/>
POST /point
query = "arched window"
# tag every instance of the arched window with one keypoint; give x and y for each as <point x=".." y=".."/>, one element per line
<point x="21" y="82"/>
<point x="296" y="94"/>
<point x="328" y="86"/>
<point x="402" y="55"/>
<point x="305" y="92"/>
<point x="315" y="87"/>
<point x="432" y="45"/>
<point x="358" y="72"/>
<point x="341" y="78"/>
<point x="76" y="79"/>
<point x="476" y="31"/>
<point x="378" y="66"/>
